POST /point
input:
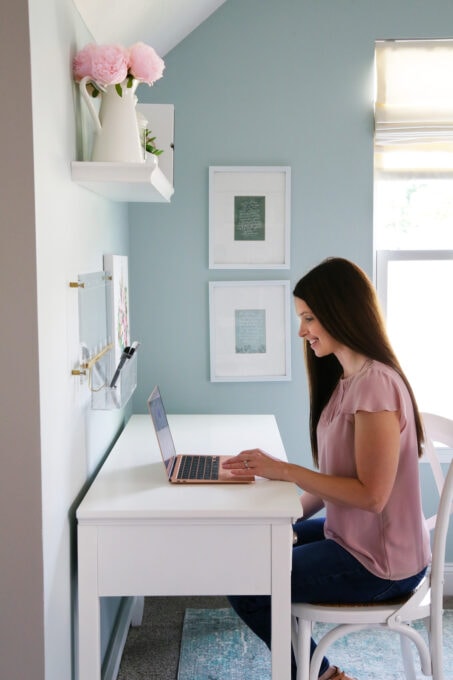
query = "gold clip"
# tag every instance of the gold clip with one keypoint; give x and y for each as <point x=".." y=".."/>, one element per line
<point x="90" y="363"/>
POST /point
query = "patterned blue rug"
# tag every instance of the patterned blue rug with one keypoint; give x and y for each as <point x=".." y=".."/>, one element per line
<point x="216" y="645"/>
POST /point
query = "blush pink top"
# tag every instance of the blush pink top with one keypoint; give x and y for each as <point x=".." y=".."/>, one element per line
<point x="393" y="544"/>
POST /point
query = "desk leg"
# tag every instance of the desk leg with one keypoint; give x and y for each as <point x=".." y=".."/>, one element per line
<point x="137" y="611"/>
<point x="89" y="606"/>
<point x="281" y="601"/>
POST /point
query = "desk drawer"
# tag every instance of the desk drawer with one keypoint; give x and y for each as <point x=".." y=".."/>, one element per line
<point x="178" y="559"/>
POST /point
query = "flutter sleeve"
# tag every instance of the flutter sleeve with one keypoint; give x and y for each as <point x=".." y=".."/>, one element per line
<point x="380" y="388"/>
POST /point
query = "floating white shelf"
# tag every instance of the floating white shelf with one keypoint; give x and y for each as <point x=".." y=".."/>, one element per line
<point x="124" y="182"/>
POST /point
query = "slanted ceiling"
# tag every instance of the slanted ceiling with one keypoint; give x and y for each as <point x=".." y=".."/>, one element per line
<point x="159" y="23"/>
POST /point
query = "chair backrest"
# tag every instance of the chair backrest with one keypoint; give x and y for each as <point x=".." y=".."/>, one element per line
<point x="439" y="430"/>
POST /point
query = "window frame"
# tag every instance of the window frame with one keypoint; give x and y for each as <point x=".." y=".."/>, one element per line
<point x="383" y="257"/>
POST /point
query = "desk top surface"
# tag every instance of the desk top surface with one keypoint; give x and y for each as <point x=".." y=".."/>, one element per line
<point x="132" y="484"/>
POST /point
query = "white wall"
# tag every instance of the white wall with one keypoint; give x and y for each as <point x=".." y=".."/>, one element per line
<point x="51" y="443"/>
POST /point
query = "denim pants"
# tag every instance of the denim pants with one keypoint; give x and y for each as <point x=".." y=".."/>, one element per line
<point x="322" y="571"/>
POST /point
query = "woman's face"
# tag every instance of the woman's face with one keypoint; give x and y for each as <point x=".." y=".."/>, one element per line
<point x="311" y="330"/>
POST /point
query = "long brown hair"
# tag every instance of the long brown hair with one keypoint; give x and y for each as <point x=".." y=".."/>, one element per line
<point x="344" y="300"/>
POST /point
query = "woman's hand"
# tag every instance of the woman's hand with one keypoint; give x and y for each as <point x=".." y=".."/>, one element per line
<point x="256" y="462"/>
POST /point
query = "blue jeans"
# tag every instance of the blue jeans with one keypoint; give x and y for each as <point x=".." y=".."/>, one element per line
<point x="322" y="571"/>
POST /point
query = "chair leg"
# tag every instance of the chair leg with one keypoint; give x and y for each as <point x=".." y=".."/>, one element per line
<point x="436" y="648"/>
<point x="408" y="658"/>
<point x="301" y="638"/>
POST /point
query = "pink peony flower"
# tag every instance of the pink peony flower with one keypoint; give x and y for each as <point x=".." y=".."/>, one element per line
<point x="145" y="64"/>
<point x="109" y="64"/>
<point x="81" y="65"/>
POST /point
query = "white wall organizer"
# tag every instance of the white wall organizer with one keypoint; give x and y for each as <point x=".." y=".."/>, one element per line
<point x="97" y="359"/>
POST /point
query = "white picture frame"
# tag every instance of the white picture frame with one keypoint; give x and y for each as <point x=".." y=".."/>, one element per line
<point x="249" y="217"/>
<point x="117" y="267"/>
<point x="249" y="330"/>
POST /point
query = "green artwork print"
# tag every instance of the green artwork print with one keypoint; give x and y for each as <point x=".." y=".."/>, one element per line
<point x="249" y="218"/>
<point x="250" y="326"/>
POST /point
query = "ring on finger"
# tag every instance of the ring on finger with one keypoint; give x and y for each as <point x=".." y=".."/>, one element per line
<point x="246" y="464"/>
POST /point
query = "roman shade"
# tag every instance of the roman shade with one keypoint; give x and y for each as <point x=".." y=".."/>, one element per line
<point x="414" y="103"/>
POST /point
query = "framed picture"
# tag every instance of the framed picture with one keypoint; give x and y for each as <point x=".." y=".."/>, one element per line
<point x="118" y="308"/>
<point x="249" y="330"/>
<point x="249" y="217"/>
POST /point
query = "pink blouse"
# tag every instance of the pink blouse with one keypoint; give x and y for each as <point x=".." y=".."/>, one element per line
<point x="393" y="544"/>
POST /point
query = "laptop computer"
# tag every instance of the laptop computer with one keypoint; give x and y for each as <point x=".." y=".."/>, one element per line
<point x="187" y="468"/>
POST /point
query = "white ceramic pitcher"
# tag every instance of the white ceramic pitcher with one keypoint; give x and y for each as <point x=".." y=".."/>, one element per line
<point x="117" y="135"/>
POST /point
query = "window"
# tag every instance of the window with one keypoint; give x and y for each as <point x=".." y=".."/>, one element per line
<point x="413" y="212"/>
<point x="420" y="321"/>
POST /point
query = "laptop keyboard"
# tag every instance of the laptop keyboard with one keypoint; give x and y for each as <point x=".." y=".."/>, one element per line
<point x="199" y="467"/>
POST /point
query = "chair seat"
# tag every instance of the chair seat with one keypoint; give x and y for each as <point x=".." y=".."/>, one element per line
<point x="391" y="601"/>
<point x="370" y="613"/>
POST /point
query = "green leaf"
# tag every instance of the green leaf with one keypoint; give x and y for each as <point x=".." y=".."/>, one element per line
<point x="119" y="89"/>
<point x="149" y="144"/>
<point x="152" y="149"/>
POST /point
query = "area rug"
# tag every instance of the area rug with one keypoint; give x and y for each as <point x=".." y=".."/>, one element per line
<point x="216" y="645"/>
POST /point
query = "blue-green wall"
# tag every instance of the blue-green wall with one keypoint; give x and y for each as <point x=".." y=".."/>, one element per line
<point x="261" y="83"/>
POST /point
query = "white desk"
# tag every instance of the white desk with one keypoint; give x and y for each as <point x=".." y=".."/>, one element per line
<point x="138" y="535"/>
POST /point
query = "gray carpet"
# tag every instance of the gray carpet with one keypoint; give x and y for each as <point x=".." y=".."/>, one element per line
<point x="152" y="650"/>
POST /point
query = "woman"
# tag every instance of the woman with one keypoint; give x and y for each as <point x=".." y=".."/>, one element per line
<point x="366" y="438"/>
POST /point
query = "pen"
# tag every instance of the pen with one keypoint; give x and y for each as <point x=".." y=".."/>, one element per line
<point x="127" y="354"/>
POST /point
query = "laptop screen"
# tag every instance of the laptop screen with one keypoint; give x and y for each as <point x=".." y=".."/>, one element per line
<point x="159" y="417"/>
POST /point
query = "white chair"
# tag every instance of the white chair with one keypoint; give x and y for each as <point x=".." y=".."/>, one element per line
<point x="426" y="602"/>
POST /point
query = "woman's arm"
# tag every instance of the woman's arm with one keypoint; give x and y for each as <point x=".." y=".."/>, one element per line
<point x="376" y="451"/>
<point x="310" y="505"/>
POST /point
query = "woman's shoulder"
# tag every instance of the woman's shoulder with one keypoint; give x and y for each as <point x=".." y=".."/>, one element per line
<point x="377" y="387"/>
<point x="376" y="370"/>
